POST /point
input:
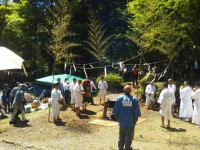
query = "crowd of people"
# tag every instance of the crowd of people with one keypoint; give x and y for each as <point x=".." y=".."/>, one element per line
<point x="13" y="101"/>
<point x="189" y="109"/>
<point x="76" y="95"/>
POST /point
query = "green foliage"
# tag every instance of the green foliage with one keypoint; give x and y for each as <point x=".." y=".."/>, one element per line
<point x="97" y="44"/>
<point x="59" y="21"/>
<point x="113" y="78"/>
<point x="167" y="26"/>
<point x="115" y="82"/>
<point x="147" y="78"/>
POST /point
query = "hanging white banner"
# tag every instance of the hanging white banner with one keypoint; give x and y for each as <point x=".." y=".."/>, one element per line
<point x="86" y="76"/>
<point x="91" y="66"/>
<point x="70" y="71"/>
<point x="74" y="67"/>
<point x="105" y="71"/>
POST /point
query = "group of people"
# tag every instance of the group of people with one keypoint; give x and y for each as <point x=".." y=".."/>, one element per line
<point x="76" y="94"/>
<point x="189" y="109"/>
<point x="13" y="101"/>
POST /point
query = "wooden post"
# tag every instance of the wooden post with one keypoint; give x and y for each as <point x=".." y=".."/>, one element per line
<point x="138" y="77"/>
<point x="105" y="109"/>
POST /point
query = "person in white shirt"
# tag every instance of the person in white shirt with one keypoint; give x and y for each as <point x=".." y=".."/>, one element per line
<point x="92" y="85"/>
<point x="72" y="88"/>
<point x="166" y="99"/>
<point x="79" y="92"/>
<point x="56" y="97"/>
<point x="186" y="108"/>
<point x="103" y="86"/>
<point x="150" y="92"/>
<point x="172" y="89"/>
<point x="196" y="112"/>
<point x="171" y="86"/>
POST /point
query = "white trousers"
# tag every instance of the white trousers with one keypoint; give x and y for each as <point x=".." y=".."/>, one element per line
<point x="55" y="108"/>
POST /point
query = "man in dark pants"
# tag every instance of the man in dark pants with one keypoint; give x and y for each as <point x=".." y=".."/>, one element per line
<point x="127" y="111"/>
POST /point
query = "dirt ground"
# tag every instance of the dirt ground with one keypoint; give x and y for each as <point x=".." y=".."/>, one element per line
<point x="74" y="133"/>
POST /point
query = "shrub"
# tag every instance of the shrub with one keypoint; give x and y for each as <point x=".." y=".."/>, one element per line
<point x="115" y="82"/>
<point x="147" y="78"/>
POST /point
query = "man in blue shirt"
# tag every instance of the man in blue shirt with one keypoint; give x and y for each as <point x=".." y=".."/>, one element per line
<point x="127" y="111"/>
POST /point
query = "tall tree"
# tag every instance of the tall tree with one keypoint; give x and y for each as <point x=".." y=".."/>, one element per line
<point x="97" y="43"/>
<point x="168" y="26"/>
<point x="59" y="21"/>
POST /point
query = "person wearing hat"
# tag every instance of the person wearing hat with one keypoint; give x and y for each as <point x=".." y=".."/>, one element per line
<point x="103" y="86"/>
<point x="126" y="111"/>
<point x="18" y="104"/>
<point x="13" y="92"/>
<point x="56" y="97"/>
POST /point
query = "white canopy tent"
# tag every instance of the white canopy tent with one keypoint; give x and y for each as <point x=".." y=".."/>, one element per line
<point x="9" y="60"/>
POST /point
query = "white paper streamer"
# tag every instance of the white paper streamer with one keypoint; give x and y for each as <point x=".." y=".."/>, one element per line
<point x="153" y="69"/>
<point x="154" y="78"/>
<point x="91" y="66"/>
<point x="105" y="71"/>
<point x="148" y="74"/>
<point x="112" y="65"/>
<point x="159" y="77"/>
<point x="65" y="66"/>
<point x="74" y="67"/>
<point x="70" y="71"/>
<point x="86" y="76"/>
<point x="164" y="72"/>
<point x="121" y="65"/>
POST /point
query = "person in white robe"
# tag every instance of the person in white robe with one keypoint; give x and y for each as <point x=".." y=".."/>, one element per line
<point x="186" y="108"/>
<point x="79" y="92"/>
<point x="72" y="88"/>
<point x="172" y="88"/>
<point x="150" y="92"/>
<point x="166" y="99"/>
<point x="103" y="86"/>
<point x="56" y="98"/>
<point x="196" y="112"/>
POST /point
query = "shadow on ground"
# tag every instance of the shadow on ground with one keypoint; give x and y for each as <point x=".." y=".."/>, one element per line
<point x="60" y="123"/>
<point x="176" y="129"/>
<point x="21" y="124"/>
<point x="88" y="112"/>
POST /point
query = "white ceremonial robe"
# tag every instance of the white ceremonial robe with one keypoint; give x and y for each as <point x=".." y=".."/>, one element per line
<point x="186" y="108"/>
<point x="72" y="90"/>
<point x="150" y="92"/>
<point x="55" y="96"/>
<point x="166" y="99"/>
<point x="196" y="112"/>
<point x="103" y="86"/>
<point x="172" y="88"/>
<point x="78" y="95"/>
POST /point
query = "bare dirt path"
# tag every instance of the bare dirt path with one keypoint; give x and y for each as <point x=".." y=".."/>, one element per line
<point x="73" y="133"/>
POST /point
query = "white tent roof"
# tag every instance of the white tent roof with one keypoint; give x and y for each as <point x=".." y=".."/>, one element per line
<point x="9" y="60"/>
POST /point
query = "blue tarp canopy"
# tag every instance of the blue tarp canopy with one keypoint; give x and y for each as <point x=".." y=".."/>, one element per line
<point x="53" y="78"/>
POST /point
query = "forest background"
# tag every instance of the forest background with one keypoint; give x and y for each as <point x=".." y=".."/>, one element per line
<point x="53" y="35"/>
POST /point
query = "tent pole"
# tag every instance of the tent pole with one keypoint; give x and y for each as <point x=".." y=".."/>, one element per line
<point x="49" y="103"/>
